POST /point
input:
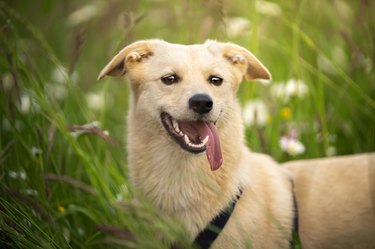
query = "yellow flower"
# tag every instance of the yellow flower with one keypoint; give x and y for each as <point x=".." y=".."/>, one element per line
<point x="61" y="209"/>
<point x="286" y="113"/>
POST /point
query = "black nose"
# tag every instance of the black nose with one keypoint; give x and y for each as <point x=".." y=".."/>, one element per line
<point x="201" y="103"/>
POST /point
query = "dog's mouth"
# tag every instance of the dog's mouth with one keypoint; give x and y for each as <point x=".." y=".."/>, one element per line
<point x="195" y="137"/>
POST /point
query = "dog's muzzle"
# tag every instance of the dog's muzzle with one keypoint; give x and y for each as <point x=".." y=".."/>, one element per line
<point x="195" y="136"/>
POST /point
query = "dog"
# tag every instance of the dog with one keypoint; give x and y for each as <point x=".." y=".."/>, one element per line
<point x="186" y="148"/>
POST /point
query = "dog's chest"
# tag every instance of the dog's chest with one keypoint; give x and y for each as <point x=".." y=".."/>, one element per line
<point x="181" y="192"/>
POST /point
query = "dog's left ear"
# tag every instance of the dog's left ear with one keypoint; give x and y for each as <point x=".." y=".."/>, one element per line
<point x="251" y="67"/>
<point x="128" y="57"/>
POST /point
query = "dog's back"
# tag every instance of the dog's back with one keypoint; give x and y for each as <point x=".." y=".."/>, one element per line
<point x="336" y="201"/>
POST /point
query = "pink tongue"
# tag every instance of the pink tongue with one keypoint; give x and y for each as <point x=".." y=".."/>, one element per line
<point x="197" y="131"/>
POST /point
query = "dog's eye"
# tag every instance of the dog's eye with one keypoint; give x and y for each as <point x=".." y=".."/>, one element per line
<point x="215" y="80"/>
<point x="170" y="79"/>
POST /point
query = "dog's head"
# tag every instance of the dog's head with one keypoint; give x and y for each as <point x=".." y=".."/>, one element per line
<point x="186" y="88"/>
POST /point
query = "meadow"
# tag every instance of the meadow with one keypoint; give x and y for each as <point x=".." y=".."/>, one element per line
<point x="63" y="174"/>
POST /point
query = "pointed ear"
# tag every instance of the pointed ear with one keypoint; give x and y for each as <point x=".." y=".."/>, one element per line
<point x="241" y="57"/>
<point x="133" y="53"/>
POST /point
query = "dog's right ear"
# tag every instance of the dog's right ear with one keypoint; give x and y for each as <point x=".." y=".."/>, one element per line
<point x="128" y="56"/>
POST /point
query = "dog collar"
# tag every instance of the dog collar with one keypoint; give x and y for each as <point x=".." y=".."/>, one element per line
<point x="207" y="236"/>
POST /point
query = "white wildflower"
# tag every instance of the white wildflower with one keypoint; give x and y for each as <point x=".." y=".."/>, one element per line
<point x="292" y="88"/>
<point x="8" y="82"/>
<point x="119" y="197"/>
<point x="13" y="174"/>
<point x="22" y="175"/>
<point x="32" y="192"/>
<point x="291" y="146"/>
<point x="237" y="26"/>
<point x="95" y="100"/>
<point x="28" y="104"/>
<point x="255" y="112"/>
<point x="60" y="75"/>
<point x="268" y="8"/>
<point x="36" y="151"/>
<point x="296" y="88"/>
<point x="25" y="103"/>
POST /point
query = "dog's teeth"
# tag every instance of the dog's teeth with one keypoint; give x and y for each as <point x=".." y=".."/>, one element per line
<point x="192" y="145"/>
<point x="175" y="126"/>
<point x="187" y="140"/>
<point x="195" y="145"/>
<point x="205" y="141"/>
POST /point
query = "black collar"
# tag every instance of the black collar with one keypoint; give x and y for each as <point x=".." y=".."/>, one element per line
<point x="206" y="237"/>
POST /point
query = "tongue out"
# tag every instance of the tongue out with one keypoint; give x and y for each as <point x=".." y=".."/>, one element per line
<point x="197" y="131"/>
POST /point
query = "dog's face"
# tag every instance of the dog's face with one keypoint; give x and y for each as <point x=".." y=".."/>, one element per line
<point x="186" y="89"/>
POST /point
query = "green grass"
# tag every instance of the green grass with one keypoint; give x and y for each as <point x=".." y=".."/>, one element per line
<point x="61" y="189"/>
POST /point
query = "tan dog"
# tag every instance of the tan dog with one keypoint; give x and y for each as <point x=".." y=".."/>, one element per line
<point x="186" y="147"/>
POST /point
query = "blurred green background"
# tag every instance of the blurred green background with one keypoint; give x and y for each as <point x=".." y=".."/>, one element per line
<point x="62" y="153"/>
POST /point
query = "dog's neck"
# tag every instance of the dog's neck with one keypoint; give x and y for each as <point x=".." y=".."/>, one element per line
<point x="181" y="184"/>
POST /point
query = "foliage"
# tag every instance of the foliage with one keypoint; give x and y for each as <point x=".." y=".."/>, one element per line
<point x="63" y="171"/>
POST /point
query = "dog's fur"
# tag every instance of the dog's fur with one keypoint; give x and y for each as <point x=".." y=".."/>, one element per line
<point x="181" y="184"/>
<point x="336" y="201"/>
